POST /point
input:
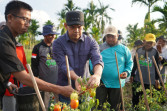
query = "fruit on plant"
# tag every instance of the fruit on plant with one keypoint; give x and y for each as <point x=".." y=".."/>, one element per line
<point x="74" y="103"/>
<point x="83" y="88"/>
<point x="74" y="95"/>
<point x="121" y="75"/>
<point x="92" y="92"/>
<point x="159" y="87"/>
<point x="57" y="107"/>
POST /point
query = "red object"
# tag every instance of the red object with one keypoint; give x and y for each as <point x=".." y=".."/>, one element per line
<point x="21" y="55"/>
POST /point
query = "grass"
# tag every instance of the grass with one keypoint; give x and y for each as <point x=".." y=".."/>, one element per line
<point x="28" y="53"/>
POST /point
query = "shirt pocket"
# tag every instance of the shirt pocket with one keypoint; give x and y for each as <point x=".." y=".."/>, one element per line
<point x="84" y="55"/>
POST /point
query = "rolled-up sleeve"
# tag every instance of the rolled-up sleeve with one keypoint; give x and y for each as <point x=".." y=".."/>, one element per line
<point x="128" y="62"/>
<point x="96" y="57"/>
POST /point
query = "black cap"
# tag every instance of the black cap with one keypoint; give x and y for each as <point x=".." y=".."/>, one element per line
<point x="137" y="43"/>
<point x="75" y="18"/>
<point x="162" y="37"/>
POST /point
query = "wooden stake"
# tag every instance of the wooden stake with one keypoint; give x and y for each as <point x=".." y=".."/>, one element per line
<point x="68" y="70"/>
<point x="141" y="80"/>
<point x="149" y="73"/>
<point x="120" y="83"/>
<point x="159" y="74"/>
<point x="36" y="88"/>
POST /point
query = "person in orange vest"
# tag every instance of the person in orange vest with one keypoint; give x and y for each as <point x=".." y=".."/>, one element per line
<point x="8" y="98"/>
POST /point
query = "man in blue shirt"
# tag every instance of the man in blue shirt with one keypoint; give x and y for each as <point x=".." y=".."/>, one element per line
<point x="110" y="89"/>
<point x="79" y="48"/>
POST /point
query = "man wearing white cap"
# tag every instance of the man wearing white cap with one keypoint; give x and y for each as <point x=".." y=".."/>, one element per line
<point x="110" y="81"/>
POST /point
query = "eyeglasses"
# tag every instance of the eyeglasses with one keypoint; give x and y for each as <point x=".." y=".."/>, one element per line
<point x="26" y="20"/>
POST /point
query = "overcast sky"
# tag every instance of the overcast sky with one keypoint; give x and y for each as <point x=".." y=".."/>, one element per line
<point x="123" y="15"/>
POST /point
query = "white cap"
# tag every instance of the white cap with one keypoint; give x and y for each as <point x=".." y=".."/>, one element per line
<point x="110" y="30"/>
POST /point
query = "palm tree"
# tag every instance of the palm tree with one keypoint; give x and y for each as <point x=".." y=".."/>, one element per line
<point x="102" y="11"/>
<point x="70" y="6"/>
<point x="134" y="33"/>
<point x="91" y="15"/>
<point x="149" y="4"/>
<point x="62" y="15"/>
<point x="49" y="22"/>
<point x="162" y="21"/>
<point x="32" y="31"/>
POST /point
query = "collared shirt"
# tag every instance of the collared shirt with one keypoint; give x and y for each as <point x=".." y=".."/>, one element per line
<point x="78" y="55"/>
<point x="9" y="61"/>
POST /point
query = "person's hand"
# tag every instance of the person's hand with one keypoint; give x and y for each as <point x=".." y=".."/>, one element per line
<point x="159" y="48"/>
<point x="66" y="91"/>
<point x="123" y="75"/>
<point x="94" y="81"/>
<point x="77" y="84"/>
<point x="12" y="87"/>
<point x="160" y="58"/>
<point x="131" y="79"/>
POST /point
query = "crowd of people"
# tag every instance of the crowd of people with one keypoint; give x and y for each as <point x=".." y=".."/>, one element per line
<point x="84" y="55"/>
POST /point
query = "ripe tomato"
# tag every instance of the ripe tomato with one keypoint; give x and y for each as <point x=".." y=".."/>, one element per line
<point x="121" y="75"/>
<point x="74" y="103"/>
<point x="57" y="108"/>
<point x="74" y="95"/>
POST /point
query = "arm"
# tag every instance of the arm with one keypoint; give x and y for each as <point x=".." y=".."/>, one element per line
<point x="25" y="78"/>
<point x="97" y="63"/>
<point x="128" y="63"/>
<point x="95" y="78"/>
<point x="35" y="61"/>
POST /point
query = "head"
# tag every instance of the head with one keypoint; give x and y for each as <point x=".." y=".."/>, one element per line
<point x="111" y="35"/>
<point x="18" y="17"/>
<point x="161" y="40"/>
<point x="49" y="33"/>
<point x="2" y="24"/>
<point x="138" y="44"/>
<point x="74" y="24"/>
<point x="149" y="41"/>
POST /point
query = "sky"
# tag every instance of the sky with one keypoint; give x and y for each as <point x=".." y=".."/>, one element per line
<point x="124" y="14"/>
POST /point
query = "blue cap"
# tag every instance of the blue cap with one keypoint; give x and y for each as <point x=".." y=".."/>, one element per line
<point x="49" y="29"/>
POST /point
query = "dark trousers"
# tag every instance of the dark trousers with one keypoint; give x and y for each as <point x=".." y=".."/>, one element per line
<point x="137" y="95"/>
<point x="110" y="95"/>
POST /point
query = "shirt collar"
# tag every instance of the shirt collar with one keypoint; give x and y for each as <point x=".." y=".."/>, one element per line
<point x="82" y="38"/>
<point x="43" y="43"/>
<point x="9" y="33"/>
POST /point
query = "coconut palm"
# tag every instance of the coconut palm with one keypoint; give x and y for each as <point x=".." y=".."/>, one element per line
<point x="90" y="15"/>
<point x="32" y="31"/>
<point x="102" y="14"/>
<point x="49" y="22"/>
<point x="162" y="21"/>
<point x="134" y="33"/>
<point x="70" y="6"/>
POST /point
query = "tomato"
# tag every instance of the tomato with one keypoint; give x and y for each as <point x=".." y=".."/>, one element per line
<point x="83" y="88"/>
<point x="92" y="93"/>
<point x="121" y="75"/>
<point x="74" y="95"/>
<point x="74" y="103"/>
<point x="57" y="108"/>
